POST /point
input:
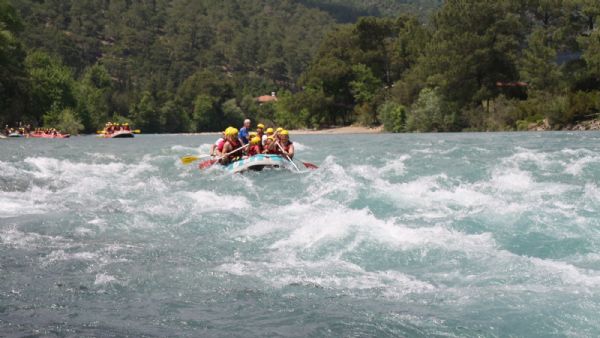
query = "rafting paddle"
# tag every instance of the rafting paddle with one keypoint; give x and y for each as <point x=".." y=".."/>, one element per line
<point x="309" y="165"/>
<point x="306" y="164"/>
<point x="191" y="159"/>
<point x="287" y="156"/>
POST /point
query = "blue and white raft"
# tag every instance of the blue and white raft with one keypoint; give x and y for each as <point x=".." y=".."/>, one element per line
<point x="258" y="163"/>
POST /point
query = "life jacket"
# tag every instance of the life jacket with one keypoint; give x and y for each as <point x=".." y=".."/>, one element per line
<point x="270" y="150"/>
<point x="285" y="147"/>
<point x="254" y="150"/>
<point x="220" y="144"/>
<point x="234" y="145"/>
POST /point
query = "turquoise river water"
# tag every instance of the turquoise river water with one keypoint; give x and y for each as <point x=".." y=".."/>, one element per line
<point x="456" y="235"/>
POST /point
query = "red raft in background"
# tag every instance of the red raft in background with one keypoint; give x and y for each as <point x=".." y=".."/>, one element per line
<point x="48" y="135"/>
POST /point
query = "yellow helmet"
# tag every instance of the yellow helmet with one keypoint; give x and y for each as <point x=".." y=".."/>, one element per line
<point x="260" y="126"/>
<point x="252" y="133"/>
<point x="284" y="132"/>
<point x="279" y="130"/>
<point x="255" y="140"/>
<point x="125" y="124"/>
<point x="270" y="131"/>
<point x="231" y="131"/>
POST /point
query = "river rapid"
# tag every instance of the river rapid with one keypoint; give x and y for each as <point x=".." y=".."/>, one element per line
<point x="394" y="235"/>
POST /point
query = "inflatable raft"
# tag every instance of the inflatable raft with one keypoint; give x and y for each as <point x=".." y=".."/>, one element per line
<point x="255" y="163"/>
<point x="43" y="135"/>
<point x="118" y="134"/>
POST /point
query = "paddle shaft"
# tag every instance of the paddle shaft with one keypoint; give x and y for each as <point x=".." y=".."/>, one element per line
<point x="287" y="156"/>
<point x="229" y="153"/>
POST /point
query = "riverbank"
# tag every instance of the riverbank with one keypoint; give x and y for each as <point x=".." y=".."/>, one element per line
<point x="328" y="131"/>
<point x="544" y="125"/>
<point x="339" y="130"/>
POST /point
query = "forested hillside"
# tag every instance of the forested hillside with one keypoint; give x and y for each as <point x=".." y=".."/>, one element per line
<point x="197" y="65"/>
<point x="156" y="62"/>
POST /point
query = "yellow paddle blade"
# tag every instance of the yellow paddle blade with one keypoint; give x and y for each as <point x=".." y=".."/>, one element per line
<point x="137" y="131"/>
<point x="189" y="159"/>
<point x="100" y="132"/>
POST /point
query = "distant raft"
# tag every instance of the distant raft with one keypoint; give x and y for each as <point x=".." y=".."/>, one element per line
<point x="118" y="134"/>
<point x="254" y="163"/>
<point x="44" y="135"/>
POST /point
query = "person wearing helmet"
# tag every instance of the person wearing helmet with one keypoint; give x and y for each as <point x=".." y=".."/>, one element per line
<point x="269" y="145"/>
<point x="283" y="145"/>
<point x="260" y="130"/>
<point x="214" y="148"/>
<point x="277" y="132"/>
<point x="269" y="132"/>
<point x="231" y="147"/>
<point x="243" y="133"/>
<point x="255" y="147"/>
<point x="126" y="127"/>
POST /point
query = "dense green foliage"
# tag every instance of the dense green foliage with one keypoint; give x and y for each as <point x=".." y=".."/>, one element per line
<point x="476" y="65"/>
<point x="198" y="65"/>
<point x="166" y="65"/>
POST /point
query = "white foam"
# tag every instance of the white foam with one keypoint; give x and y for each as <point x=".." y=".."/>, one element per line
<point x="31" y="240"/>
<point x="592" y="193"/>
<point x="340" y="275"/>
<point x="300" y="147"/>
<point x="73" y="172"/>
<point x="331" y="181"/>
<point x="103" y="278"/>
<point x="202" y="148"/>
<point x="61" y="255"/>
<point x="103" y="156"/>
<point x="523" y="156"/>
<point x="512" y="180"/>
<point x="575" y="167"/>
<point x="568" y="273"/>
<point x="208" y="201"/>
<point x="394" y="166"/>
<point x="8" y="170"/>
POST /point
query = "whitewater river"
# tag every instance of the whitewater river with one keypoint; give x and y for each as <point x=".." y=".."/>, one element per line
<point x="394" y="235"/>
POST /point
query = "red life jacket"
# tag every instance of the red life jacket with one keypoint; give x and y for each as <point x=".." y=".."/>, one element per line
<point x="271" y="150"/>
<point x="234" y="145"/>
<point x="254" y="150"/>
<point x="286" y="148"/>
<point x="220" y="144"/>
